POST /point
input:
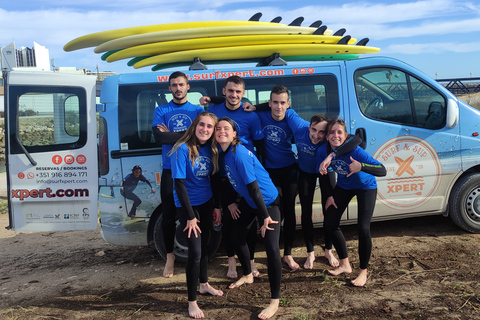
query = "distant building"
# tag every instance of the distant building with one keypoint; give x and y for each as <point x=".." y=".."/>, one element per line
<point x="24" y="57"/>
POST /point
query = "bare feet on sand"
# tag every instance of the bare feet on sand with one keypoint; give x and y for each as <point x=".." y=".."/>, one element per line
<point x="331" y="258"/>
<point x="310" y="258"/>
<point x="344" y="267"/>
<point x="291" y="263"/>
<point x="255" y="272"/>
<point x="232" y="268"/>
<point x="269" y="311"/>
<point x="169" y="265"/>
<point x="207" y="288"/>
<point x="194" y="311"/>
<point x="361" y="278"/>
<point x="245" y="279"/>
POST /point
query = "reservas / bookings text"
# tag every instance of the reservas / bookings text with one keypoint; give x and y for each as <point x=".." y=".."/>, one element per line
<point x="49" y="193"/>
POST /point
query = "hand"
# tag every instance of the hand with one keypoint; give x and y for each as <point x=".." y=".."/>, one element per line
<point x="153" y="190"/>
<point x="234" y="211"/>
<point x="330" y="202"/>
<point x="265" y="227"/>
<point x="192" y="226"/>
<point x="162" y="127"/>
<point x="323" y="168"/>
<point x="354" y="167"/>
<point x="247" y="106"/>
<point x="204" y="100"/>
<point x="218" y="216"/>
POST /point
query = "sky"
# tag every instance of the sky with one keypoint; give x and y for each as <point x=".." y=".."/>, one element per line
<point x="439" y="37"/>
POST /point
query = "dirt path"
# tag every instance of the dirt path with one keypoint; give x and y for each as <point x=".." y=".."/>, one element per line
<point x="422" y="268"/>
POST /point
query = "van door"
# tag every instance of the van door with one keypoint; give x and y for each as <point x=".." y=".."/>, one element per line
<point x="51" y="151"/>
<point x="402" y="116"/>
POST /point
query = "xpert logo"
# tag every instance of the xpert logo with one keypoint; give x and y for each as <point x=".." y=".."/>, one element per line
<point x="413" y="172"/>
<point x="49" y="193"/>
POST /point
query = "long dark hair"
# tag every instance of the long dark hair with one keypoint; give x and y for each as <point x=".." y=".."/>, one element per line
<point x="236" y="140"/>
<point x="191" y="140"/>
<point x="330" y="124"/>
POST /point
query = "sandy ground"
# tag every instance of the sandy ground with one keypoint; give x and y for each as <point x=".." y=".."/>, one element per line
<point x="423" y="268"/>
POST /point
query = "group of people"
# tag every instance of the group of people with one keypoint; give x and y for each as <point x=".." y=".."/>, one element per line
<point x="239" y="164"/>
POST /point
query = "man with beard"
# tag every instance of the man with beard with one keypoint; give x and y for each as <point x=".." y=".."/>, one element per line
<point x="170" y="121"/>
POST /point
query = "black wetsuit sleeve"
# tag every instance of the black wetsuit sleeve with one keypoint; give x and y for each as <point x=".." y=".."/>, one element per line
<point x="374" y="170"/>
<point x="262" y="107"/>
<point x="260" y="147"/>
<point x="217" y="99"/>
<point x="256" y="195"/>
<point x="325" y="185"/>
<point x="182" y="195"/>
<point x="216" y="184"/>
<point x="166" y="137"/>
<point x="349" y="145"/>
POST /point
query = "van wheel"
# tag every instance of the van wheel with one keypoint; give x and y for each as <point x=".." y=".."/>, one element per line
<point x="180" y="247"/>
<point x="465" y="203"/>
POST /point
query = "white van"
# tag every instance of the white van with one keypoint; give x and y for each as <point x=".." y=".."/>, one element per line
<point x="66" y="162"/>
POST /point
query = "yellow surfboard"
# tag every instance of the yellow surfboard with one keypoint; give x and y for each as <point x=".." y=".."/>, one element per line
<point x="218" y="42"/>
<point x="256" y="51"/>
<point x="183" y="34"/>
<point x="97" y="38"/>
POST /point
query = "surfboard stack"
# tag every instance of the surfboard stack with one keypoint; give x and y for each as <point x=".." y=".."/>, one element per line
<point x="175" y="44"/>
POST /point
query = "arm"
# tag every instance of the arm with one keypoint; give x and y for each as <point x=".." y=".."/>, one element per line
<point x="166" y="137"/>
<point x="346" y="147"/>
<point x="256" y="195"/>
<point x="214" y="100"/>
<point x="377" y="170"/>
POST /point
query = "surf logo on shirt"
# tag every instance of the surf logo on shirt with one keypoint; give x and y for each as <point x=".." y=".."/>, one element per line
<point x="340" y="167"/>
<point x="274" y="134"/>
<point x="231" y="176"/>
<point x="203" y="167"/>
<point x="179" y="122"/>
<point x="305" y="148"/>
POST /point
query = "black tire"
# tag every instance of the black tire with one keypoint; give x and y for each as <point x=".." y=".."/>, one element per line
<point x="465" y="203"/>
<point x="180" y="245"/>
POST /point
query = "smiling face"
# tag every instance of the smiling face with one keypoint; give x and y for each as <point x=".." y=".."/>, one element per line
<point x="233" y="95"/>
<point x="224" y="134"/>
<point x="316" y="132"/>
<point x="204" y="129"/>
<point x="279" y="103"/>
<point x="179" y="88"/>
<point x="336" y="135"/>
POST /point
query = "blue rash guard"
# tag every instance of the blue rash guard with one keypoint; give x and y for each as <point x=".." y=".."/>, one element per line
<point x="248" y="124"/>
<point x="307" y="151"/>
<point x="359" y="180"/>
<point x="242" y="168"/>
<point x="177" y="118"/>
<point x="278" y="141"/>
<point x="197" y="177"/>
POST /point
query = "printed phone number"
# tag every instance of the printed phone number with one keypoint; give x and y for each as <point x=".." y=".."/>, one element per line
<point x="61" y="174"/>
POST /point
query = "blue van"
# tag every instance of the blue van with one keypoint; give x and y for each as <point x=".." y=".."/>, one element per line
<point x="69" y="156"/>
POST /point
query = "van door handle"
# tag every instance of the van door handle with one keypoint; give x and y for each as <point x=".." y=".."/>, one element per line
<point x="360" y="132"/>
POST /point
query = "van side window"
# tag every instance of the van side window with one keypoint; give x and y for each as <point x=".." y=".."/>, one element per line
<point x="392" y="95"/>
<point x="50" y="118"/>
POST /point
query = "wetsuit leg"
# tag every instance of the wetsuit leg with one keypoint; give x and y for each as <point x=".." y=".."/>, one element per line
<point x="136" y="202"/>
<point x="366" y="204"/>
<point x="239" y="234"/>
<point x="272" y="248"/>
<point x="227" y="220"/>
<point x="168" y="210"/>
<point x="306" y="190"/>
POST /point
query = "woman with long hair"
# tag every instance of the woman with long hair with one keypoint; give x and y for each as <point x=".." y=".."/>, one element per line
<point x="194" y="159"/>
<point x="259" y="198"/>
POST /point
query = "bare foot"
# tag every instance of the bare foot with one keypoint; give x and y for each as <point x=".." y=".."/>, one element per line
<point x="269" y="311"/>
<point x="232" y="268"/>
<point x="245" y="279"/>
<point x="310" y="258"/>
<point x="344" y="267"/>
<point x="255" y="271"/>
<point x="207" y="288"/>
<point x="331" y="258"/>
<point x="169" y="265"/>
<point x="291" y="263"/>
<point x="361" y="278"/>
<point x="194" y="311"/>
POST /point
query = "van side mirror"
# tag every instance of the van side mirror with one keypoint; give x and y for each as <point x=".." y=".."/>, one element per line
<point x="452" y="113"/>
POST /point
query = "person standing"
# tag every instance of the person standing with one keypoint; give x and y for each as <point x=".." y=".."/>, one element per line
<point x="129" y="184"/>
<point x="194" y="158"/>
<point x="259" y="198"/>
<point x="170" y="121"/>
<point x="356" y="171"/>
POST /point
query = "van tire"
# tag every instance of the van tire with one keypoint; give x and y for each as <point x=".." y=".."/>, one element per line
<point x="465" y="203"/>
<point x="180" y="245"/>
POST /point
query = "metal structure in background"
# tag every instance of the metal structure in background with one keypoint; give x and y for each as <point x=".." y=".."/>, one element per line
<point x="461" y="85"/>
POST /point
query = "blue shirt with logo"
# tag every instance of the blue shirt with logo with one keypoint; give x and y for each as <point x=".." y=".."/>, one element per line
<point x="242" y="168"/>
<point x="278" y="141"/>
<point x="177" y="118"/>
<point x="197" y="177"/>
<point x="248" y="124"/>
<point x="359" y="180"/>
